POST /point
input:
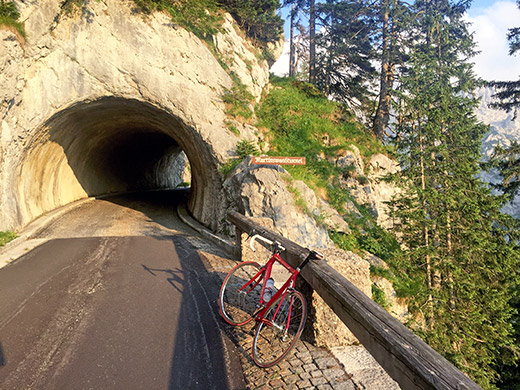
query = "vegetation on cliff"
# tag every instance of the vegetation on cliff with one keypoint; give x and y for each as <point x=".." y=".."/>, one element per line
<point x="460" y="259"/>
<point x="5" y="237"/>
<point x="9" y="16"/>
<point x="257" y="18"/>
<point x="298" y="120"/>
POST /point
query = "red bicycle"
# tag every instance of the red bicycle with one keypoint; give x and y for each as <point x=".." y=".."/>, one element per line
<point x="248" y="293"/>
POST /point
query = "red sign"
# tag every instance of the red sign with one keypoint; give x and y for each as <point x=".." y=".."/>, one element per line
<point x="278" y="160"/>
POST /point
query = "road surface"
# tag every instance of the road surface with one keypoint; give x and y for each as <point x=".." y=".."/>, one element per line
<point x="118" y="298"/>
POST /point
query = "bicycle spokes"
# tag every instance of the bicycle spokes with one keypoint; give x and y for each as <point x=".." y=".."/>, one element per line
<point x="276" y="336"/>
<point x="240" y="294"/>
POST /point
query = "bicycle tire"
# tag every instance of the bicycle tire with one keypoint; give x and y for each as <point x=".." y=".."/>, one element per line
<point x="272" y="344"/>
<point x="236" y="307"/>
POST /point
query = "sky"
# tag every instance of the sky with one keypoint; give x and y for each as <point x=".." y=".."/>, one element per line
<point x="490" y="20"/>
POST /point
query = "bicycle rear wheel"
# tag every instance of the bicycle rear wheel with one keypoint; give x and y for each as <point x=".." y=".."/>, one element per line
<point x="275" y="339"/>
<point x="238" y="300"/>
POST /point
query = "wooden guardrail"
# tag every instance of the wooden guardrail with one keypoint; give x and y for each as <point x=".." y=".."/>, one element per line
<point x="404" y="356"/>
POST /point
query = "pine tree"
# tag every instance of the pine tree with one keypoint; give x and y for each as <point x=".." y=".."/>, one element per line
<point x="458" y="252"/>
<point x="507" y="160"/>
<point x="392" y="19"/>
<point x="310" y="7"/>
<point x="344" y="62"/>
<point x="257" y="18"/>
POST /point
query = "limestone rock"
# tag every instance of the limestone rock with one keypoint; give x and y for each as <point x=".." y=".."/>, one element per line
<point x="261" y="191"/>
<point x="251" y="72"/>
<point x="382" y="191"/>
<point x="319" y="207"/>
<point x="365" y="183"/>
<point x="398" y="307"/>
<point x="328" y="329"/>
<point x="351" y="158"/>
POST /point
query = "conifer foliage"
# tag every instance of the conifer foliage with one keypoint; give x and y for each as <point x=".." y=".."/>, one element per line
<point x="459" y="250"/>
<point x="508" y="92"/>
<point x="344" y="67"/>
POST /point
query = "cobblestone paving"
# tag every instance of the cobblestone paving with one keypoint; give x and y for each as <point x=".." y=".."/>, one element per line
<point x="306" y="367"/>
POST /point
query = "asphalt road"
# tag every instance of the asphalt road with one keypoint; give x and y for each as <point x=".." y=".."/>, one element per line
<point x="127" y="311"/>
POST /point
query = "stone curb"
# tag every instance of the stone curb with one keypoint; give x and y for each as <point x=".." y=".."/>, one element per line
<point x="185" y="217"/>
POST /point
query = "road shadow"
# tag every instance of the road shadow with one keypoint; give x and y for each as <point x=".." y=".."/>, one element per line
<point x="201" y="358"/>
<point x="159" y="206"/>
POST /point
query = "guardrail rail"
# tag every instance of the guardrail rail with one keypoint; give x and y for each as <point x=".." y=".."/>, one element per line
<point x="405" y="357"/>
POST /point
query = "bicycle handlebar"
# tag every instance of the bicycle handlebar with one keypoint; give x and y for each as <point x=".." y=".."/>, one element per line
<point x="312" y="255"/>
<point x="267" y="241"/>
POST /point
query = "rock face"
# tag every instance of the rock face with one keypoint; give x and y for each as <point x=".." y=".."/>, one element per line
<point x="365" y="184"/>
<point x="379" y="166"/>
<point x="398" y="307"/>
<point x="261" y="191"/>
<point x="91" y="96"/>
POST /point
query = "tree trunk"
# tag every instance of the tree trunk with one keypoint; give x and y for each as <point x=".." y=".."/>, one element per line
<point x="382" y="116"/>
<point x="292" y="60"/>
<point x="426" y="236"/>
<point x="312" y="42"/>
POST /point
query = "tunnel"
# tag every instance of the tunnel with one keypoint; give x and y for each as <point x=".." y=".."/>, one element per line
<point x="113" y="145"/>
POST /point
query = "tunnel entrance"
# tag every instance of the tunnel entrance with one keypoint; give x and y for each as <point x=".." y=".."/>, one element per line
<point x="112" y="145"/>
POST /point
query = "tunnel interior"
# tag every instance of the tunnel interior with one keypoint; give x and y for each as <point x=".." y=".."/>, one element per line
<point x="108" y="146"/>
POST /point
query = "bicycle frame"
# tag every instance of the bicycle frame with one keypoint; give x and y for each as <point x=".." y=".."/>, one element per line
<point x="278" y="296"/>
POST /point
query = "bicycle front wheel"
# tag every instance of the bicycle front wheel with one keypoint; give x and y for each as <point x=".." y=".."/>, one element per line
<point x="239" y="296"/>
<point x="276" y="337"/>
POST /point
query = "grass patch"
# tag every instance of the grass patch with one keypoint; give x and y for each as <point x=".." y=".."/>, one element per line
<point x="238" y="100"/>
<point x="9" y="17"/>
<point x="382" y="272"/>
<point x="202" y="17"/>
<point x="300" y="121"/>
<point x="379" y="297"/>
<point x="6" y="237"/>
<point x="303" y="122"/>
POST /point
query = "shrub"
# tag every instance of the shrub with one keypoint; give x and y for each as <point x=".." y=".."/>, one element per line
<point x="246" y="148"/>
<point x="5" y="237"/>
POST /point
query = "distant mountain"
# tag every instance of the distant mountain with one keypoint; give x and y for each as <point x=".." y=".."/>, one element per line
<point x="503" y="130"/>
